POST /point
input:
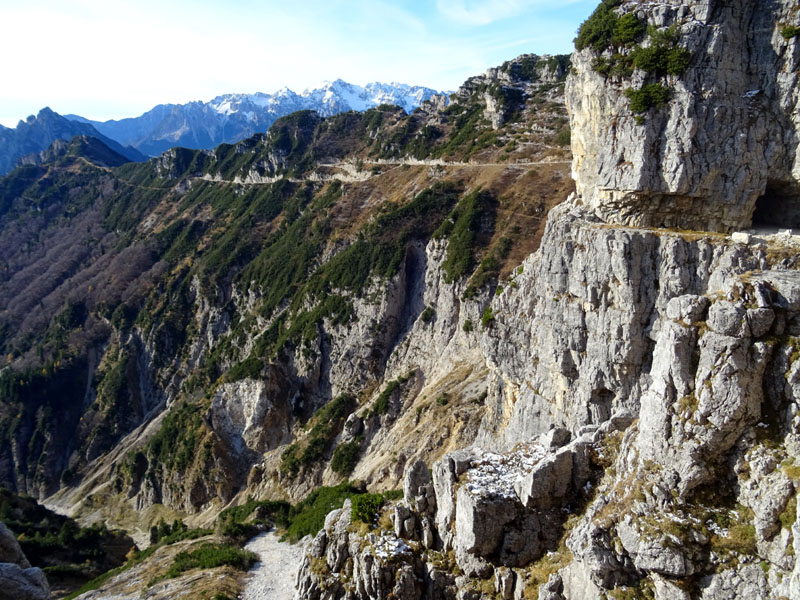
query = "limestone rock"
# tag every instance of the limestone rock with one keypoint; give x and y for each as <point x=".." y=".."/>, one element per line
<point x="572" y="340"/>
<point x="10" y="552"/>
<point x="418" y="490"/>
<point x="480" y="523"/>
<point x="766" y="490"/>
<point x="748" y="581"/>
<point x="548" y="483"/>
<point x="445" y="475"/>
<point x="18" y="580"/>
<point x="18" y="583"/>
<point x="552" y="589"/>
<point x="245" y="414"/>
<point x="651" y="553"/>
<point x="736" y="104"/>
<point x="666" y="590"/>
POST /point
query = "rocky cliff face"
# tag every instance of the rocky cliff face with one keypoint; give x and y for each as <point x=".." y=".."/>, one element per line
<point x="720" y="147"/>
<point x="196" y="315"/>
<point x="572" y="339"/>
<point x="611" y="416"/>
<point x="640" y="435"/>
<point x="656" y="457"/>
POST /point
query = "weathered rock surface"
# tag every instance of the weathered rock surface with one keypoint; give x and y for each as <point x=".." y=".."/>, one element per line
<point x="18" y="580"/>
<point x="572" y="340"/>
<point x="341" y="564"/>
<point x="736" y="105"/>
<point x="251" y="415"/>
<point x="660" y="356"/>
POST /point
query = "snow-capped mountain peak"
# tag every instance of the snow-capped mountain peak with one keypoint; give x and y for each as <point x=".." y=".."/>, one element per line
<point x="232" y="117"/>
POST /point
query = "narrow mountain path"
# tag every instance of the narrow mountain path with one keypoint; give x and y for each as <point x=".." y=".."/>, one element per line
<point x="273" y="576"/>
<point x="357" y="176"/>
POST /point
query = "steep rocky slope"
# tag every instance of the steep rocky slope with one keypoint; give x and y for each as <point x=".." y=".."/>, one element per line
<point x="580" y="399"/>
<point x="640" y="433"/>
<point x="171" y="329"/>
<point x="671" y="464"/>
<point x="701" y="113"/>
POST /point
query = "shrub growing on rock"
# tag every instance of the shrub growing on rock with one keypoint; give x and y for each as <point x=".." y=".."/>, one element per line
<point x="650" y="95"/>
<point x="345" y="457"/>
<point x="365" y="507"/>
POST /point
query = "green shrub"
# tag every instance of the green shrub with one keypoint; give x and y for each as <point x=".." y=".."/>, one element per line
<point x="308" y="516"/>
<point x="290" y="462"/>
<point x="649" y="96"/>
<point x="487" y="317"/>
<point x="277" y="510"/>
<point x="462" y="229"/>
<point x="327" y="423"/>
<point x="790" y="31"/>
<point x="392" y="495"/>
<point x="165" y="534"/>
<point x="250" y="368"/>
<point x="662" y="56"/>
<point x="427" y="314"/>
<point x="467" y="326"/>
<point x="238" y="532"/>
<point x="381" y="405"/>
<point x="209" y="556"/>
<point x="177" y="442"/>
<point x="628" y="30"/>
<point x="345" y="457"/>
<point x="365" y="508"/>
<point x="598" y="30"/>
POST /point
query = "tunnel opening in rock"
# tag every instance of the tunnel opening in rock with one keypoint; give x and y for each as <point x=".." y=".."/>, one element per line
<point x="600" y="406"/>
<point x="779" y="206"/>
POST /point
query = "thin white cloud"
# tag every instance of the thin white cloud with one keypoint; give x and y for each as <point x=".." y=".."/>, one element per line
<point x="481" y="12"/>
<point x="486" y="12"/>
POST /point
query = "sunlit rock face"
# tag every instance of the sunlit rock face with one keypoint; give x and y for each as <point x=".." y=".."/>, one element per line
<point x="724" y="145"/>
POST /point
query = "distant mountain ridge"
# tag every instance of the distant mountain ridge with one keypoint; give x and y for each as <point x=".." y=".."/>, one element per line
<point x="37" y="133"/>
<point x="232" y="117"/>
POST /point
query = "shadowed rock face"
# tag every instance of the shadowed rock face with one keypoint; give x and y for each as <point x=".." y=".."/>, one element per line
<point x="18" y="579"/>
<point x="726" y="137"/>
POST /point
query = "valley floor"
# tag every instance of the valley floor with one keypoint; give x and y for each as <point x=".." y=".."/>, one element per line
<point x="273" y="576"/>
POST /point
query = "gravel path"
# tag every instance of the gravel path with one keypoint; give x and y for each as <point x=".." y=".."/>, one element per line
<point x="272" y="577"/>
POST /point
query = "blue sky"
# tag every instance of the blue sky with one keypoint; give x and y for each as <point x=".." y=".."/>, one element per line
<point x="117" y="58"/>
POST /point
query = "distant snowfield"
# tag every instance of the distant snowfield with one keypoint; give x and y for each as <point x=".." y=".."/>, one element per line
<point x="273" y="576"/>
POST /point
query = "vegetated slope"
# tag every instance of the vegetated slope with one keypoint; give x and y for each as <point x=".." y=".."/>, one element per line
<point x="233" y="117"/>
<point x="170" y="329"/>
<point x="37" y="133"/>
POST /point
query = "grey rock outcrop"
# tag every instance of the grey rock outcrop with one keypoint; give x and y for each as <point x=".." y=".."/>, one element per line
<point x="572" y="339"/>
<point x="10" y="552"/>
<point x="340" y="564"/>
<point x="18" y="580"/>
<point x="646" y="380"/>
<point x="251" y="414"/>
<point x="736" y="105"/>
